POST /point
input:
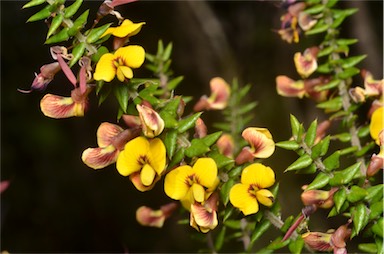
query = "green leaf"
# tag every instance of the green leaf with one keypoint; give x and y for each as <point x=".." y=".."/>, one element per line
<point x="377" y="228"/>
<point x="246" y="108"/>
<point x="360" y="217"/>
<point x="356" y="193"/>
<point x="104" y="93"/>
<point x="56" y="22"/>
<point x="346" y="41"/>
<point x="77" y="53"/>
<point x="287" y="224"/>
<point x="343" y="208"/>
<point x="321" y="148"/>
<point x="349" y="72"/>
<point x="100" y="51"/>
<point x="78" y="23"/>
<point x="260" y="229"/>
<point x="221" y="160"/>
<point x="160" y="48"/>
<point x="348" y="150"/>
<point x="332" y="105"/>
<point x="332" y="84"/>
<point x="188" y="122"/>
<point x="352" y="61"/>
<point x="235" y="172"/>
<point x="288" y="145"/>
<point x="278" y="244"/>
<point x="220" y="239"/>
<point x="302" y="162"/>
<point x="167" y="52"/>
<point x="322" y="27"/>
<point x="72" y="9"/>
<point x="211" y="138"/>
<point x="343" y="137"/>
<point x="173" y="83"/>
<point x="324" y="68"/>
<point x="365" y="149"/>
<point x="339" y="198"/>
<point x="325" y="51"/>
<point x="179" y="155"/>
<point x="225" y="189"/>
<point x="319" y="182"/>
<point x="345" y="176"/>
<point x="33" y="3"/>
<point x="297" y="245"/>
<point x="376" y="210"/>
<point x="59" y="37"/>
<point x="367" y="247"/>
<point x="96" y="33"/>
<point x="228" y="212"/>
<point x="315" y="9"/>
<point x="42" y="14"/>
<point x="170" y="142"/>
<point x="374" y="193"/>
<point x="310" y="136"/>
<point x="308" y="170"/>
<point x="331" y="3"/>
<point x="295" y="126"/>
<point x="122" y="95"/>
<point x="234" y="224"/>
<point x="198" y="147"/>
<point x="363" y="131"/>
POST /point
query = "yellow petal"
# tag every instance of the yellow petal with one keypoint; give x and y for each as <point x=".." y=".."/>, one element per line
<point x="55" y="106"/>
<point x="157" y="155"/>
<point x="133" y="56"/>
<point x="198" y="192"/>
<point x="136" y="180"/>
<point x="106" y="133"/>
<point x="259" y="175"/>
<point x="147" y="175"/>
<point x="206" y="171"/>
<point x="240" y="198"/>
<point x="305" y="64"/>
<point x="265" y="197"/>
<point x="131" y="158"/>
<point x="98" y="158"/>
<point x="105" y="68"/>
<point x="377" y="123"/>
<point x="175" y="183"/>
<point x="127" y="28"/>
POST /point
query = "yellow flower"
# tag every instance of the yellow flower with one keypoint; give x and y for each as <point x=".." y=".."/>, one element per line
<point x="143" y="161"/>
<point x="251" y="191"/>
<point x="119" y="64"/>
<point x="377" y="124"/>
<point x="126" y="29"/>
<point x="190" y="184"/>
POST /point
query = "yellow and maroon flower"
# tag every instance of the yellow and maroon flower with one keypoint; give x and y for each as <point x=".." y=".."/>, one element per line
<point x="306" y="63"/>
<point x="247" y="195"/>
<point x="372" y="87"/>
<point x="111" y="138"/>
<point x="119" y="64"/>
<point x="220" y="93"/>
<point x="189" y="184"/>
<point x="143" y="161"/>
<point x="203" y="216"/>
<point x="289" y="88"/>
<point x="261" y="142"/>
<point x="151" y="122"/>
<point x="56" y="106"/>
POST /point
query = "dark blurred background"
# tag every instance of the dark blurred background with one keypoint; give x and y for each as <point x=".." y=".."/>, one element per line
<point x="57" y="204"/>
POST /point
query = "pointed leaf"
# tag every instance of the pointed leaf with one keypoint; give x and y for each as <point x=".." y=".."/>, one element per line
<point x="173" y="83"/>
<point x="349" y="72"/>
<point x="78" y="23"/>
<point x="356" y="193"/>
<point x="360" y="217"/>
<point x="59" y="37"/>
<point x="332" y="84"/>
<point x="122" y="95"/>
<point x="170" y="142"/>
<point x="352" y="61"/>
<point x="33" y="3"/>
<point x="42" y="14"/>
<point x="56" y="22"/>
<point x="297" y="245"/>
<point x="211" y="138"/>
<point x="346" y="41"/>
<point x="72" y="9"/>
<point x="368" y="247"/>
<point x="220" y="239"/>
<point x="339" y="198"/>
<point x="295" y="126"/>
<point x="302" y="162"/>
<point x="376" y="210"/>
<point x="319" y="182"/>
<point x="331" y="105"/>
<point x="188" y="122"/>
<point x="167" y="52"/>
<point x="260" y="229"/>
<point x="95" y="33"/>
<point x="225" y="189"/>
<point x="77" y="53"/>
<point x="288" y="145"/>
<point x="345" y="176"/>
<point x="310" y="136"/>
<point x="374" y="193"/>
<point x="179" y="155"/>
<point x="198" y="147"/>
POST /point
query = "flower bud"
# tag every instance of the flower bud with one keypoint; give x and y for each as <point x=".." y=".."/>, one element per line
<point x="318" y="241"/>
<point x="152" y="123"/>
<point x="46" y="75"/>
<point x="320" y="198"/>
<point x="200" y="128"/>
<point x="375" y="165"/>
<point x="155" y="218"/>
<point x="289" y="88"/>
<point x="132" y="121"/>
<point x="226" y="145"/>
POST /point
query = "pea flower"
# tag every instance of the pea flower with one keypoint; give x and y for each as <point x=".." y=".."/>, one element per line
<point x="288" y="87"/>
<point x="372" y="87"/>
<point x="203" y="217"/>
<point x="377" y="124"/>
<point x="220" y="92"/>
<point x="226" y="145"/>
<point x="306" y="63"/>
<point x="262" y="145"/>
<point x="123" y="32"/>
<point x="119" y="64"/>
<point x="56" y="106"/>
<point x="111" y="138"/>
<point x="190" y="184"/>
<point x="247" y="195"/>
<point x="151" y="122"/>
<point x="143" y="161"/>
<point x="155" y="218"/>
